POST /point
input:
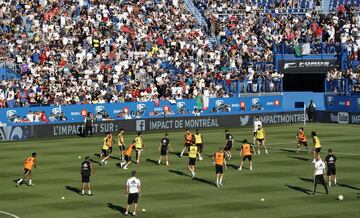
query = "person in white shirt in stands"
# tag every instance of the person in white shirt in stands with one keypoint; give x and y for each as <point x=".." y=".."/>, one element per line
<point x="319" y="171"/>
<point x="257" y="123"/>
<point x="132" y="192"/>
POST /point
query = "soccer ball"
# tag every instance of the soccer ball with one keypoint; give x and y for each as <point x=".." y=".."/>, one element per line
<point x="340" y="197"/>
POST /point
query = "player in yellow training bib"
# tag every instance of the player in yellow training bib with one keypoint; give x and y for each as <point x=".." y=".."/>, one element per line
<point x="193" y="152"/>
<point x="317" y="145"/>
<point x="260" y="139"/>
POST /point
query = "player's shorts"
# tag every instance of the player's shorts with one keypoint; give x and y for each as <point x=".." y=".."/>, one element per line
<point x="27" y="171"/>
<point x="260" y="140"/>
<point x="200" y="147"/>
<point x="249" y="157"/>
<point x="105" y="152"/>
<point x="227" y="147"/>
<point x="192" y="161"/>
<point x="187" y="144"/>
<point x="331" y="171"/>
<point x="303" y="143"/>
<point x="133" y="198"/>
<point x="317" y="150"/>
<point x="127" y="158"/>
<point x="163" y="152"/>
<point x="122" y="147"/>
<point x="219" y="169"/>
<point x="85" y="178"/>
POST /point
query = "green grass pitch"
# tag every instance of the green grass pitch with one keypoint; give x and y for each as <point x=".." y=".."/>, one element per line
<point x="282" y="178"/>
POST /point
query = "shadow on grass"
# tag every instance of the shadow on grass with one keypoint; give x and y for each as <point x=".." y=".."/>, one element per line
<point x="233" y="166"/>
<point x="306" y="179"/>
<point x="73" y="189"/>
<point x="116" y="207"/>
<point x="179" y="173"/>
<point x="287" y="150"/>
<point x="116" y="158"/>
<point x="97" y="155"/>
<point x="152" y="161"/>
<point x="299" y="189"/>
<point x="94" y="161"/>
<point x="175" y="153"/>
<point x="205" y="181"/>
<point x="300" y="158"/>
<point x="348" y="186"/>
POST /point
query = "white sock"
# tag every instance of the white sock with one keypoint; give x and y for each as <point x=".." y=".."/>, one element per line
<point x="217" y="181"/>
<point x="159" y="162"/>
<point x="82" y="192"/>
<point x="250" y="167"/>
<point x="134" y="213"/>
<point x="20" y="180"/>
<point x="89" y="192"/>
<point x="220" y="181"/>
<point x="181" y="153"/>
<point x="30" y="182"/>
<point x="335" y="181"/>
<point x="167" y="163"/>
<point x="329" y="183"/>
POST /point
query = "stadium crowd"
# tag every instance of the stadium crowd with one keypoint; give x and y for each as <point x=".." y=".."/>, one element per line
<point x="81" y="52"/>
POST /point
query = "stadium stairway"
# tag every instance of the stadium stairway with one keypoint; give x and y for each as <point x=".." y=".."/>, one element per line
<point x="196" y="13"/>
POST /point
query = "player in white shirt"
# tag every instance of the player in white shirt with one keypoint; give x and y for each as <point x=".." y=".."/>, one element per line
<point x="133" y="189"/>
<point x="257" y="123"/>
<point x="319" y="171"/>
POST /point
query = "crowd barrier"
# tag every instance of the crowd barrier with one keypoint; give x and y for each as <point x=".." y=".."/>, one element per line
<point x="149" y="124"/>
<point x="342" y="103"/>
<point x="137" y="110"/>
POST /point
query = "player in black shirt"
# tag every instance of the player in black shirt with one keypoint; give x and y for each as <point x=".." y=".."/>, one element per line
<point x="86" y="170"/>
<point x="330" y="161"/>
<point x="164" y="148"/>
<point x="229" y="141"/>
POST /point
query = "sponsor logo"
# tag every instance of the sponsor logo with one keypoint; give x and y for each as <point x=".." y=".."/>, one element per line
<point x="126" y="110"/>
<point x="306" y="64"/>
<point x="166" y="108"/>
<point x="343" y="117"/>
<point x="181" y="107"/>
<point x="140" y="109"/>
<point x="9" y="133"/>
<point x="83" y="112"/>
<point x="11" y="113"/>
<point x="355" y="119"/>
<point x="140" y="125"/>
<point x="99" y="109"/>
<point x="330" y="100"/>
<point x="276" y="102"/>
<point x="358" y="103"/>
<point x="244" y="120"/>
<point x="242" y="104"/>
<point x="347" y="103"/>
<point x="256" y="104"/>
<point x="56" y="110"/>
<point x="183" y="123"/>
<point x="282" y="118"/>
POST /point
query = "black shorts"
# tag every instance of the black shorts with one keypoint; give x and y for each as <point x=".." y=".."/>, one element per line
<point x="249" y="157"/>
<point x="260" y="140"/>
<point x="163" y="152"/>
<point x="227" y="147"/>
<point x="187" y="144"/>
<point x="200" y="147"/>
<point x="133" y="198"/>
<point x="303" y="143"/>
<point x="331" y="171"/>
<point x="317" y="150"/>
<point x="122" y="147"/>
<point x="105" y="152"/>
<point x="27" y="171"/>
<point x="85" y="178"/>
<point x="110" y="150"/>
<point x="127" y="158"/>
<point x="192" y="161"/>
<point x="219" y="169"/>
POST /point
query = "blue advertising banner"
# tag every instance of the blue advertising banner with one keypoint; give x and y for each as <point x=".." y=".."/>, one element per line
<point x="342" y="103"/>
<point x="137" y="110"/>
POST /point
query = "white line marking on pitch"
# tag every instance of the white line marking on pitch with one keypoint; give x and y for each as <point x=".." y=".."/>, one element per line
<point x="9" y="214"/>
